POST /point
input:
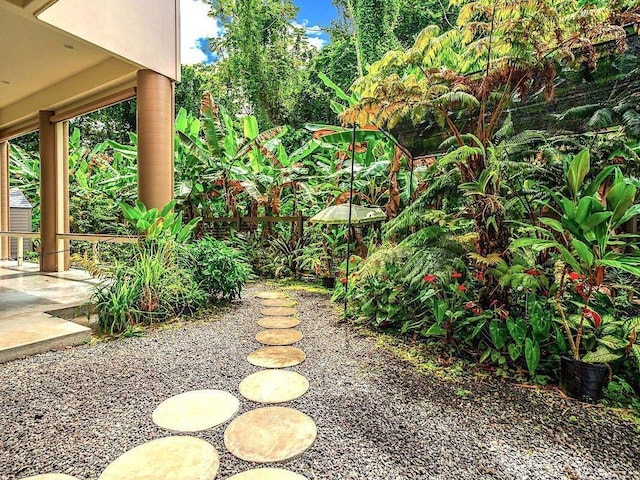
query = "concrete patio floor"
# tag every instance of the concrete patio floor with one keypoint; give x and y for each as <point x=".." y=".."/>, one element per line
<point x="27" y="298"/>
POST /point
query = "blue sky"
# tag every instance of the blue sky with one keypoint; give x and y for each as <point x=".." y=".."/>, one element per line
<point x="316" y="11"/>
<point x="196" y="26"/>
<point x="313" y="15"/>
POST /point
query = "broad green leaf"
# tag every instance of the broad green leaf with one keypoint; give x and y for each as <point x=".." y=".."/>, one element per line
<point x="584" y="206"/>
<point x="517" y="329"/>
<point x="601" y="355"/>
<point x="485" y="355"/>
<point x="628" y="215"/>
<point x="584" y="252"/>
<point x="621" y="266"/>
<point x="553" y="223"/>
<point x="514" y="351"/>
<point x="251" y="130"/>
<point x="338" y="91"/>
<point x="593" y="186"/>
<point x="498" y="333"/>
<point x="570" y="259"/>
<point x="620" y="198"/>
<point x="436" y="330"/>
<point x="612" y="342"/>
<point x="535" y="243"/>
<point x="532" y="354"/>
<point x="595" y="219"/>
<point x="578" y="169"/>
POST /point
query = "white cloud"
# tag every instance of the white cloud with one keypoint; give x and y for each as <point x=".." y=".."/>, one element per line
<point x="315" y="35"/>
<point x="195" y="25"/>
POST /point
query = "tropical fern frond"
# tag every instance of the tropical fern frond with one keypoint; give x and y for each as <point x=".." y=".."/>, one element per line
<point x="602" y="118"/>
<point x="631" y="122"/>
<point x="489" y="260"/>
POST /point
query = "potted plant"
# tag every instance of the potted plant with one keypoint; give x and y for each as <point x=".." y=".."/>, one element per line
<point x="584" y="235"/>
<point x="322" y="256"/>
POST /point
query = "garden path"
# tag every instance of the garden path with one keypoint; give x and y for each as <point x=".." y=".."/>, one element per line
<point x="76" y="411"/>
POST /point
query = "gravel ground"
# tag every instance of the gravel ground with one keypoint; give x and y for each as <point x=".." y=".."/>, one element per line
<point x="74" y="411"/>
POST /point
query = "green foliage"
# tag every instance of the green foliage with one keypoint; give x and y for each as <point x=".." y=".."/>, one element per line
<point x="159" y="224"/>
<point x="151" y="287"/>
<point x="221" y="270"/>
<point x="260" y="54"/>
<point x="585" y="239"/>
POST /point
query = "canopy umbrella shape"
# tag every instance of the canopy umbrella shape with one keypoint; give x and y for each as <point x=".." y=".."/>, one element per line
<point x="339" y="215"/>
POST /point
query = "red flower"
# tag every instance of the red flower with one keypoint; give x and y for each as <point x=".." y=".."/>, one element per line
<point x="455" y="274"/>
<point x="593" y="315"/>
<point x="504" y="314"/>
<point x="470" y="305"/>
<point x="573" y="276"/>
<point x="533" y="272"/>
<point x="461" y="288"/>
<point x="477" y="311"/>
<point x="429" y="278"/>
<point x="493" y="303"/>
<point x="480" y="276"/>
<point x="352" y="260"/>
<point x="343" y="280"/>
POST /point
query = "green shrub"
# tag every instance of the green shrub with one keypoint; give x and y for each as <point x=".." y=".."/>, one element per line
<point x="220" y="270"/>
<point x="153" y="287"/>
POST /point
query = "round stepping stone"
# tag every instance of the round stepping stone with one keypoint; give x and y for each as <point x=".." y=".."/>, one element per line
<point x="278" y="322"/>
<point x="196" y="410"/>
<point x="55" y="476"/>
<point x="267" y="474"/>
<point x="279" y="336"/>
<point x="276" y="357"/>
<point x="273" y="386"/>
<point x="278" y="302"/>
<point x="278" y="311"/>
<point x="270" y="294"/>
<point x="270" y="434"/>
<point x="169" y="458"/>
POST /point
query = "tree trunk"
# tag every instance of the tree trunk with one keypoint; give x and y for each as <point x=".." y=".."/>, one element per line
<point x="493" y="237"/>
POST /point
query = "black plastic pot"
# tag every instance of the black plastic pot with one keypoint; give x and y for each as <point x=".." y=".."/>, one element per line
<point x="582" y="380"/>
<point x="328" y="282"/>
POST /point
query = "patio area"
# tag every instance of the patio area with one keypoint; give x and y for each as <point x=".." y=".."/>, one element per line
<point x="34" y="306"/>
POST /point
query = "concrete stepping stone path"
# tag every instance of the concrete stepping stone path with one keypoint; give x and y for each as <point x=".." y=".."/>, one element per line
<point x="279" y="336"/>
<point x="169" y="458"/>
<point x="53" y="476"/>
<point x="196" y="410"/>
<point x="278" y="311"/>
<point x="270" y="295"/>
<point x="278" y="322"/>
<point x="267" y="474"/>
<point x="270" y="434"/>
<point x="273" y="386"/>
<point x="277" y="302"/>
<point x="276" y="357"/>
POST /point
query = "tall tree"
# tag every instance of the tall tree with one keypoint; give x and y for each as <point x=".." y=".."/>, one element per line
<point x="463" y="81"/>
<point x="261" y="54"/>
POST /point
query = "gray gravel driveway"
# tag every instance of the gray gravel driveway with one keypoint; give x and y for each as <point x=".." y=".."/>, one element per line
<point x="74" y="411"/>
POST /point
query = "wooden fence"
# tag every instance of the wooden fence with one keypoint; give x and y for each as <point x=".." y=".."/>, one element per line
<point x="248" y="223"/>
